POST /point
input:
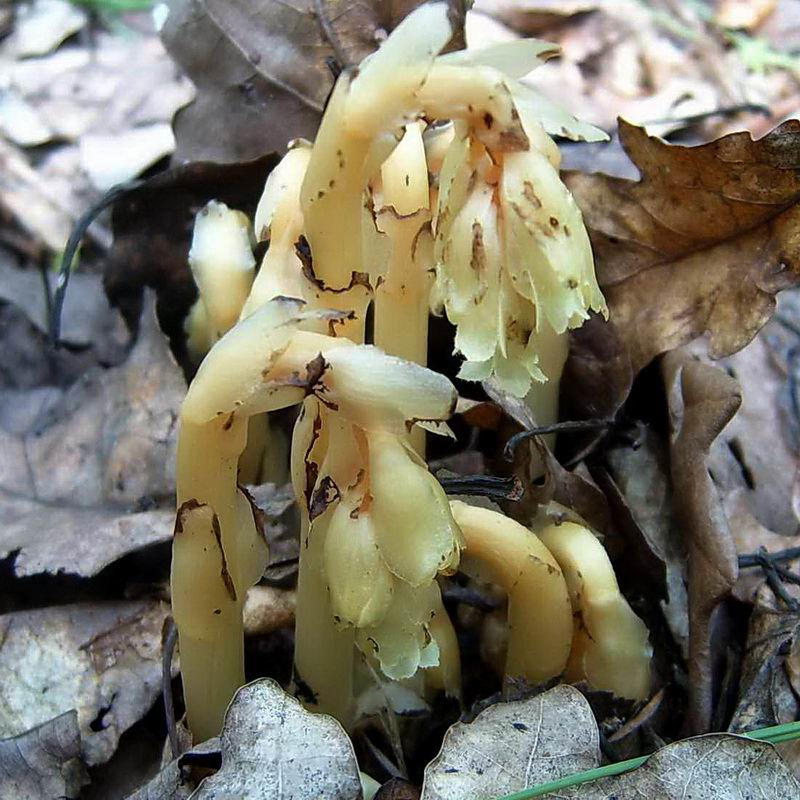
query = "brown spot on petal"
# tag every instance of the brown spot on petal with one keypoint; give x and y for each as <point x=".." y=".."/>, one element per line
<point x="530" y="195"/>
<point x="478" y="259"/>
<point x="224" y="574"/>
<point x="185" y="508"/>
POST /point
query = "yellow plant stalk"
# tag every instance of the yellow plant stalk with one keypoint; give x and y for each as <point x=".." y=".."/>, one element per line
<point x="217" y="552"/>
<point x="514" y="265"/>
<point x="611" y="650"/>
<point x="500" y="550"/>
<point x="401" y="298"/>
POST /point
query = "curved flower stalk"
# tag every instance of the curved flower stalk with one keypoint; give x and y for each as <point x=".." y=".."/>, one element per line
<point x="610" y="650"/>
<point x="540" y="630"/>
<point x="565" y="614"/>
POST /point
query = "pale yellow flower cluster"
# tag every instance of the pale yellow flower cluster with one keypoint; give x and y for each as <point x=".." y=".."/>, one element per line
<point x="433" y="182"/>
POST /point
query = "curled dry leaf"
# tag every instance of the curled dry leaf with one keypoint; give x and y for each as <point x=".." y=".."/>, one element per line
<point x="270" y="76"/>
<point x="755" y="454"/>
<point x="700" y="245"/>
<point x="102" y="659"/>
<point x="44" y="763"/>
<point x="272" y="748"/>
<point x="639" y="492"/>
<point x="513" y="746"/>
<point x="67" y="486"/>
<point x="766" y="696"/>
<point x="702" y="400"/>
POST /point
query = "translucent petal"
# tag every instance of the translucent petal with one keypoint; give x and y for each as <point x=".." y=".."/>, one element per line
<point x="557" y="121"/>
<point x="400" y="642"/>
<point x="515" y="58"/>
<point x="360" y="585"/>
<point x="414" y="527"/>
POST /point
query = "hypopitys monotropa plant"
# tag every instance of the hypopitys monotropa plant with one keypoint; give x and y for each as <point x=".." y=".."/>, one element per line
<point x="432" y="183"/>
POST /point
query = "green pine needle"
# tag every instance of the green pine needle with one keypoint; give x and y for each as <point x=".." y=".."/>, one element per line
<point x="774" y="735"/>
<point x="119" y="6"/>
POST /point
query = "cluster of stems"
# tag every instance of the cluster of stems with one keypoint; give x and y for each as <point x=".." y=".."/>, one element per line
<point x="432" y="185"/>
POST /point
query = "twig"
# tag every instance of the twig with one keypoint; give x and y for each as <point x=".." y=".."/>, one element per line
<point x="329" y="33"/>
<point x="570" y="426"/>
<point x="725" y="111"/>
<point x="774" y="580"/>
<point x="484" y="486"/>
<point x="73" y="243"/>
<point x="469" y="596"/>
<point x="747" y="560"/>
<point x="170" y="640"/>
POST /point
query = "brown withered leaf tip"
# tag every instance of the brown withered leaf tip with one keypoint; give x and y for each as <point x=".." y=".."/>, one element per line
<point x="703" y="399"/>
<point x="701" y="244"/>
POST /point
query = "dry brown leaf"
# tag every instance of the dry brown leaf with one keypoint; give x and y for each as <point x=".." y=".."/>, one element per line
<point x="702" y="400"/>
<point x="102" y="659"/>
<point x="269" y="78"/>
<point x="75" y="99"/>
<point x="268" y="609"/>
<point x="44" y="763"/>
<point x="397" y="789"/>
<point x="755" y="454"/>
<point x="765" y="689"/>
<point x="513" y="746"/>
<point x="494" y="755"/>
<point x="641" y="477"/>
<point x="69" y="485"/>
<point x="715" y="767"/>
<point x="272" y="748"/>
<point x="543" y="477"/>
<point x="701" y="244"/>
<point x="533" y="16"/>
